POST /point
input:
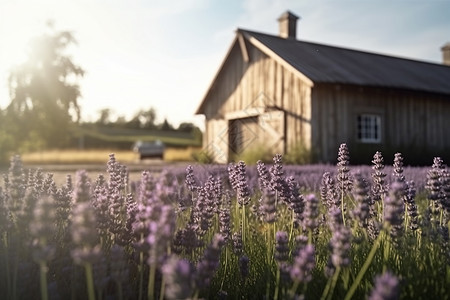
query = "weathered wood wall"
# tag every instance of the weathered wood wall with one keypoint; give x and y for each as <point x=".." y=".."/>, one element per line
<point x="411" y="122"/>
<point x="248" y="89"/>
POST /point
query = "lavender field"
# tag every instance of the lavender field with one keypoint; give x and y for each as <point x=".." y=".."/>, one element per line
<point x="228" y="232"/>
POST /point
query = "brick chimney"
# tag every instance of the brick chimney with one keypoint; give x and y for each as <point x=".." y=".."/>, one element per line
<point x="446" y="54"/>
<point x="288" y="25"/>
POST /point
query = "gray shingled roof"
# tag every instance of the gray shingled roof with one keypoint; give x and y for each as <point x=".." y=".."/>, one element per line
<point x="329" y="64"/>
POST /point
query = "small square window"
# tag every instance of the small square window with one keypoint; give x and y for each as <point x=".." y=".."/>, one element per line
<point x="369" y="128"/>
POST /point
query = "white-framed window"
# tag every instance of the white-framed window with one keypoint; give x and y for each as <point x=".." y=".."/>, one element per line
<point x="368" y="128"/>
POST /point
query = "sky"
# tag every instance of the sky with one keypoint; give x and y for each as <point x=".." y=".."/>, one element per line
<point x="142" y="54"/>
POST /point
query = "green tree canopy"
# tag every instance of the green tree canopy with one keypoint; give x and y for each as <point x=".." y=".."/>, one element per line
<point x="44" y="92"/>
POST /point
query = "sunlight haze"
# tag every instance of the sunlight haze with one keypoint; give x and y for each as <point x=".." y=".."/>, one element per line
<point x="164" y="54"/>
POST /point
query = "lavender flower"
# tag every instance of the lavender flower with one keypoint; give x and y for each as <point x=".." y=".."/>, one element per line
<point x="238" y="247"/>
<point x="340" y="244"/>
<point x="203" y="211"/>
<point x="296" y="201"/>
<point x="311" y="212"/>
<point x="411" y="206"/>
<point x="244" y="266"/>
<point x="363" y="202"/>
<point x="118" y="266"/>
<point x="118" y="175"/>
<point x="178" y="275"/>
<point x="378" y="186"/>
<point x="268" y="207"/>
<point x="217" y="194"/>
<point x="187" y="239"/>
<point x="343" y="175"/>
<point x="190" y="180"/>
<point x="386" y="287"/>
<point x="300" y="242"/>
<point x="84" y="234"/>
<point x="398" y="167"/>
<point x="281" y="246"/>
<point x="161" y="233"/>
<point x="209" y="263"/>
<point x="224" y="223"/>
<point x="328" y="192"/>
<point x="263" y="175"/>
<point x="82" y="191"/>
<point x="233" y="176"/>
<point x="42" y="228"/>
<point x="15" y="186"/>
<point x="394" y="208"/>
<point x="435" y="191"/>
<point x="304" y="263"/>
<point x="277" y="183"/>
<point x="243" y="189"/>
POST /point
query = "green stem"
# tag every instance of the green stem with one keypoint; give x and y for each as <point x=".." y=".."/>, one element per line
<point x="342" y="204"/>
<point x="225" y="268"/>
<point x="243" y="225"/>
<point x="141" y="274"/>
<point x="151" y="282"/>
<point x="277" y="285"/>
<point x="43" y="279"/>
<point x="330" y="284"/>
<point x="89" y="281"/>
<point x="163" y="287"/>
<point x="365" y="266"/>
<point x="333" y="282"/>
<point x="292" y="225"/>
<point x="294" y="288"/>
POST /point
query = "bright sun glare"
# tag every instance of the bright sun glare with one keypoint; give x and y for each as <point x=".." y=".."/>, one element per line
<point x="19" y="22"/>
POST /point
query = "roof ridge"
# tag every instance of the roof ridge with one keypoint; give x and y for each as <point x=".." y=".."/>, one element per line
<point x="345" y="48"/>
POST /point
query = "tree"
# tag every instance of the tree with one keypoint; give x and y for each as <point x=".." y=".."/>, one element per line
<point x="144" y="119"/>
<point x="166" y="125"/>
<point x="105" y="116"/>
<point x="44" y="92"/>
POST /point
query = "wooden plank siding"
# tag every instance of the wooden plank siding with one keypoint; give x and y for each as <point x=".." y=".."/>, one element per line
<point x="414" y="123"/>
<point x="261" y="84"/>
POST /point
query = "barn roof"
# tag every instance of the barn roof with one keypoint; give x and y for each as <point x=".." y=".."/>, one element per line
<point x="321" y="63"/>
<point x="329" y="64"/>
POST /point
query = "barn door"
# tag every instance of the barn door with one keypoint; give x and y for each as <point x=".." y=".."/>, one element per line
<point x="272" y="130"/>
<point x="242" y="134"/>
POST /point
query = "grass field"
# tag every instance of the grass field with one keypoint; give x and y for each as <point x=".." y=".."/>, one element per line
<point x="100" y="156"/>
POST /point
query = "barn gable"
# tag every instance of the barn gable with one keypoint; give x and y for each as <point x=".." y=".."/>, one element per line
<point x="279" y="92"/>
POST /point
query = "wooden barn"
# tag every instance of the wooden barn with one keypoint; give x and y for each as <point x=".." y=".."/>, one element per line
<point x="280" y="93"/>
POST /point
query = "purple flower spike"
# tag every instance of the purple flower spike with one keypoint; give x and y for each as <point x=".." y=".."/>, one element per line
<point x="281" y="246"/>
<point x="364" y="204"/>
<point x="378" y="175"/>
<point x="343" y="176"/>
<point x="209" y="263"/>
<point x="277" y="174"/>
<point x="398" y="167"/>
<point x="263" y="175"/>
<point x="243" y="189"/>
<point x="386" y="287"/>
<point x="190" y="180"/>
<point x="303" y="265"/>
<point x="178" y="278"/>
<point x="244" y="266"/>
<point x="311" y="212"/>
<point x="394" y="208"/>
<point x="82" y="187"/>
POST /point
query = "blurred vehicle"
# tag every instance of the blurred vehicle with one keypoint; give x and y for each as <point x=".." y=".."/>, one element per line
<point x="154" y="149"/>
